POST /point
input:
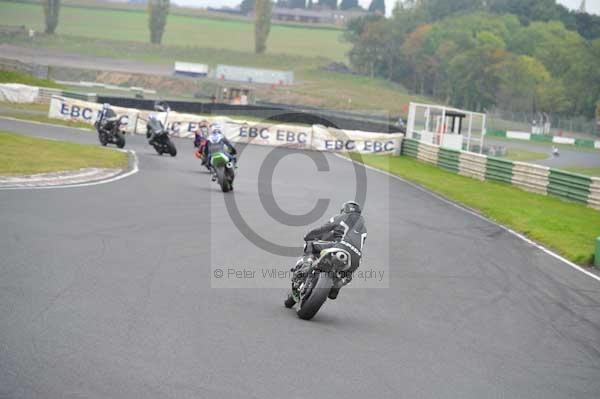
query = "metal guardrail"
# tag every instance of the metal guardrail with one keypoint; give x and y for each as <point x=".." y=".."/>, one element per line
<point x="529" y="177"/>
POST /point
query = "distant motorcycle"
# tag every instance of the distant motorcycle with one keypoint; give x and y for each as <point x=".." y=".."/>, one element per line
<point x="111" y="129"/>
<point x="158" y="134"/>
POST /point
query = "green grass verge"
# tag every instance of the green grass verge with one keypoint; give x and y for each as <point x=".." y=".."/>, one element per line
<point x="517" y="154"/>
<point x="180" y="30"/>
<point x="595" y="172"/>
<point x="44" y="119"/>
<point x="26" y="79"/>
<point x="568" y="228"/>
<point x="25" y="155"/>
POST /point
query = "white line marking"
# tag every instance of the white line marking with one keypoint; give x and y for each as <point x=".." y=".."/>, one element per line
<point x="470" y="211"/>
<point x="133" y="171"/>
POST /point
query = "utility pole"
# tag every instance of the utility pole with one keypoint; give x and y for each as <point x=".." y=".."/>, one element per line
<point x="582" y="7"/>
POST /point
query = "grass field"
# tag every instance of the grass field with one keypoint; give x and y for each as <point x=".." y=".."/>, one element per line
<point x="180" y="30"/>
<point x="26" y="79"/>
<point x="568" y="228"/>
<point x="36" y="113"/>
<point x="24" y="155"/>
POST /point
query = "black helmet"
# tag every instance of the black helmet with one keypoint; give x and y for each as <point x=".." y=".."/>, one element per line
<point x="161" y="106"/>
<point x="350" y="207"/>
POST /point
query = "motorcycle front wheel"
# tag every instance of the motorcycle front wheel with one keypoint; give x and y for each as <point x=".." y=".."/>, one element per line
<point x="312" y="302"/>
<point x="102" y="139"/>
<point x="222" y="179"/>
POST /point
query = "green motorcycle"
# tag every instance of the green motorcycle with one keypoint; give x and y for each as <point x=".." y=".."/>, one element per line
<point x="223" y="170"/>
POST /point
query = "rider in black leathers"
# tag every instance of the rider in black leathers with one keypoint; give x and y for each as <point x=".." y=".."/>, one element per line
<point x="107" y="119"/>
<point x="347" y="231"/>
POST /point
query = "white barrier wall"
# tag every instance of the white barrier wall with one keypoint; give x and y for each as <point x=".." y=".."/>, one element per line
<point x="314" y="137"/>
<point x="86" y="112"/>
<point x="563" y="140"/>
<point x="18" y="93"/>
<point x="518" y="135"/>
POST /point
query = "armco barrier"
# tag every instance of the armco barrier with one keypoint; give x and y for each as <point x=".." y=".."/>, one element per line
<point x="472" y="165"/>
<point x="497" y="169"/>
<point x="530" y="177"/>
<point x="428" y="154"/>
<point x="569" y="186"/>
<point x="410" y="148"/>
<point x="541" y="138"/>
<point x="584" y="143"/>
<point x="594" y="197"/>
<point x="448" y="159"/>
<point x="496" y="133"/>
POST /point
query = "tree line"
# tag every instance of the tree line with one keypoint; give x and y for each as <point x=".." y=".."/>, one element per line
<point x="480" y="54"/>
<point x="247" y="6"/>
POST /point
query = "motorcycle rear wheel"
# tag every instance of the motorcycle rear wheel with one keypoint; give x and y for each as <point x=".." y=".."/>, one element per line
<point x="171" y="147"/>
<point x="120" y="139"/>
<point x="309" y="306"/>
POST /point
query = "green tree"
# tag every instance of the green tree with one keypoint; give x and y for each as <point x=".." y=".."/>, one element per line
<point x="475" y="75"/>
<point x="377" y="6"/>
<point x="524" y="82"/>
<point x="158" y="10"/>
<point x="262" y="25"/>
<point x="331" y="4"/>
<point x="246" y="6"/>
<point x="349" y="4"/>
<point x="297" y="3"/>
<point x="51" y="11"/>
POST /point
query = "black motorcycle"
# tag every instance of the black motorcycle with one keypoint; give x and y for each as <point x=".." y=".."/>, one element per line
<point x="111" y="129"/>
<point x="313" y="279"/>
<point x="159" y="137"/>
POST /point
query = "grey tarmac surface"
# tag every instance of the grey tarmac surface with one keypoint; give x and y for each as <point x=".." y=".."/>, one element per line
<point x="105" y="292"/>
<point x="568" y="157"/>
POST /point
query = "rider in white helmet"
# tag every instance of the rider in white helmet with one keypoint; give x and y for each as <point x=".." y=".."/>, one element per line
<point x="217" y="142"/>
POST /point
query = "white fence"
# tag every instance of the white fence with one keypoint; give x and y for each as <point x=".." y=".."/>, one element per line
<point x="314" y="137"/>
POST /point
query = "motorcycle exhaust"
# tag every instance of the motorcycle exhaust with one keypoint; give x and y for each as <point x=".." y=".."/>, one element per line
<point x="229" y="165"/>
<point x="341" y="256"/>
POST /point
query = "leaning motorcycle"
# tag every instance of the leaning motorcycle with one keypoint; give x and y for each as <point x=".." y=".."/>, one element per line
<point x="114" y="134"/>
<point x="311" y="287"/>
<point x="223" y="169"/>
<point x="160" y="137"/>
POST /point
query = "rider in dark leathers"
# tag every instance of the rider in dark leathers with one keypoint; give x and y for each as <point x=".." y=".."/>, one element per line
<point x="107" y="119"/>
<point x="346" y="231"/>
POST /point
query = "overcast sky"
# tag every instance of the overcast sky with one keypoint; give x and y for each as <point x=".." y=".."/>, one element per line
<point x="593" y="6"/>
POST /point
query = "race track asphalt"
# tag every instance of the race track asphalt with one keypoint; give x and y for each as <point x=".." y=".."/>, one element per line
<point x="105" y="292"/>
<point x="569" y="157"/>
